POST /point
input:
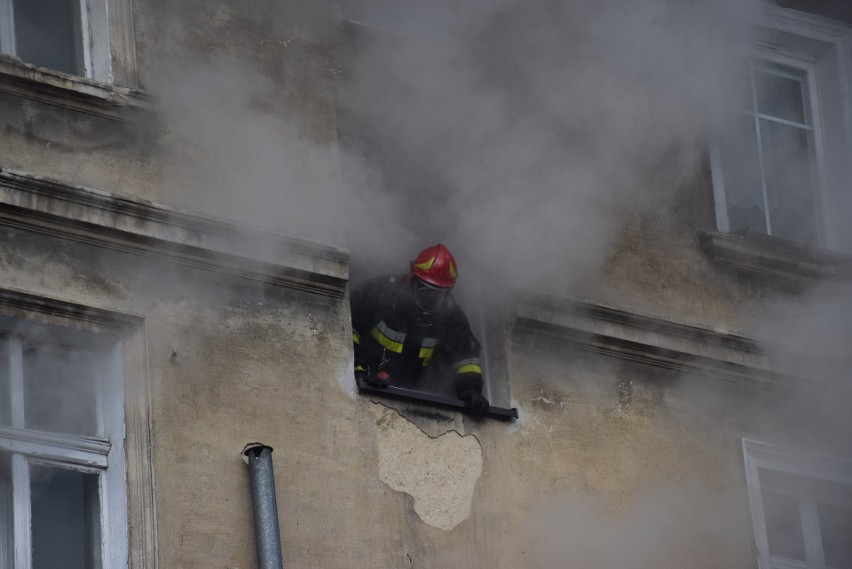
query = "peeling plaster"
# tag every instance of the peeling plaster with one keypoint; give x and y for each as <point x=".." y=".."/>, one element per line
<point x="440" y="473"/>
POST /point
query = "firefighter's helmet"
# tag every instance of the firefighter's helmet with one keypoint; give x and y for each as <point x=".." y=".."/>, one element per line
<point x="435" y="266"/>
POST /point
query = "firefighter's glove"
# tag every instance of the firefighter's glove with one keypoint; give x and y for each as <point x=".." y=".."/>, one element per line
<point x="476" y="402"/>
<point x="380" y="382"/>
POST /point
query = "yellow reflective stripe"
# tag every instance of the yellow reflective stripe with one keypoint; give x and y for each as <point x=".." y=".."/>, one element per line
<point x="395" y="347"/>
<point x="355" y="337"/>
<point x="360" y="368"/>
<point x="389" y="332"/>
<point x="427" y="265"/>
<point x="453" y="272"/>
<point x="470" y="368"/>
<point x="426" y="353"/>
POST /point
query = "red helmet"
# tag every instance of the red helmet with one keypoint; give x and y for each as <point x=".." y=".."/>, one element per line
<point x="435" y="266"/>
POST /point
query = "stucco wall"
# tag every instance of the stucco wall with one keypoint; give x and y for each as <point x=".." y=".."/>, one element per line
<point x="609" y="463"/>
<point x="228" y="362"/>
<point x="241" y="122"/>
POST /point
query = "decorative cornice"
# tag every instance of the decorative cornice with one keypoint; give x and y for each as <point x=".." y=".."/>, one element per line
<point x="774" y="257"/>
<point x="107" y="220"/>
<point x="654" y="341"/>
<point x="71" y="92"/>
<point x="25" y="305"/>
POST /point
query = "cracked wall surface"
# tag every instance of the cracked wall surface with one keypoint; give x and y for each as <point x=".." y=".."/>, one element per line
<point x="440" y="473"/>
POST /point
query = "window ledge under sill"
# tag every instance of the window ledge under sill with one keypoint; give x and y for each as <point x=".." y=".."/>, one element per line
<point x="432" y="399"/>
<point x="775" y="257"/>
<point x="72" y="92"/>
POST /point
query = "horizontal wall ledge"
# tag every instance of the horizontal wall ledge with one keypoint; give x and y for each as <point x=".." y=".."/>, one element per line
<point x="774" y="257"/>
<point x="72" y="92"/>
<point x="137" y="226"/>
<point x="664" y="343"/>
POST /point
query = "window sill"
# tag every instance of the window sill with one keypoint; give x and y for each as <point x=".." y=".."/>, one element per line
<point x="71" y="92"/>
<point x="775" y="257"/>
<point x="435" y="400"/>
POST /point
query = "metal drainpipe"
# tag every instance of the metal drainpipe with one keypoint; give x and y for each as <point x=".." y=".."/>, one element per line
<point x="259" y="458"/>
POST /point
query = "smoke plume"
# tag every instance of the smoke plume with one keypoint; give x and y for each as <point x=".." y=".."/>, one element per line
<point x="523" y="134"/>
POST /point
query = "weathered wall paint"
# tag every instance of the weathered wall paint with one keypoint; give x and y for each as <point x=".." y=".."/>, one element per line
<point x="440" y="473"/>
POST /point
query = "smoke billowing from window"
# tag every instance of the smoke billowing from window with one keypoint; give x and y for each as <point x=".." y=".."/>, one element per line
<point x="523" y="133"/>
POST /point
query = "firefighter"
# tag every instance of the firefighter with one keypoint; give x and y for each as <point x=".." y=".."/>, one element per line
<point x="406" y="326"/>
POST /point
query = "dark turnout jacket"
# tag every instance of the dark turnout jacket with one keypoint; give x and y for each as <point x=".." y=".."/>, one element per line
<point x="391" y="335"/>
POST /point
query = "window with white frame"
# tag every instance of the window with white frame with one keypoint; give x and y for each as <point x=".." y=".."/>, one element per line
<point x="771" y="173"/>
<point x="783" y="168"/>
<point x="87" y="38"/>
<point x="801" y="508"/>
<point x="56" y="34"/>
<point x="62" y="458"/>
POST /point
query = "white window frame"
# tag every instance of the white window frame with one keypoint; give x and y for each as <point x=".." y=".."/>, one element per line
<point x="814" y="127"/>
<point x="139" y="522"/>
<point x="757" y="455"/>
<point x="102" y="455"/>
<point x="93" y="28"/>
<point x="109" y="53"/>
<point x="821" y="48"/>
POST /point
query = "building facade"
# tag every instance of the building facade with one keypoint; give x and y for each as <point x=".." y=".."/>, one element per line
<point x="188" y="191"/>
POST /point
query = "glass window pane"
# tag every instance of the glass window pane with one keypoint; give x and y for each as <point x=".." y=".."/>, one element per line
<point x="6" y="512"/>
<point x="781" y="95"/>
<point x="835" y="524"/>
<point x="783" y="525"/>
<point x="65" y="518"/>
<point x="787" y="159"/>
<point x="47" y="33"/>
<point x="60" y="391"/>
<point x="743" y="191"/>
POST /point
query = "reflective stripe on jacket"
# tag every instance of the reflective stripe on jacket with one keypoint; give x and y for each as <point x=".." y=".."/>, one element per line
<point x="390" y="334"/>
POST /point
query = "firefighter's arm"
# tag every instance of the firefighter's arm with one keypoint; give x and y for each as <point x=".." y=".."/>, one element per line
<point x="468" y="383"/>
<point x="366" y="311"/>
<point x="464" y="353"/>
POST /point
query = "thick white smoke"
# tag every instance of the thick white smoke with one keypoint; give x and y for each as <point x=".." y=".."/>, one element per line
<point x="226" y="154"/>
<point x="523" y="133"/>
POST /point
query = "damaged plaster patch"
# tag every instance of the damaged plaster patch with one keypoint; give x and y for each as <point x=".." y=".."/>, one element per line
<point x="440" y="473"/>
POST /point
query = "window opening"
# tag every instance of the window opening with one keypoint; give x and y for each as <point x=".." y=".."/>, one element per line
<point x="770" y="166"/>
<point x="782" y="168"/>
<point x="410" y="183"/>
<point x="437" y="385"/>
<point x="61" y="454"/>
<point x="65" y="517"/>
<point x="49" y="33"/>
<point x="801" y="508"/>
<point x="71" y="36"/>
